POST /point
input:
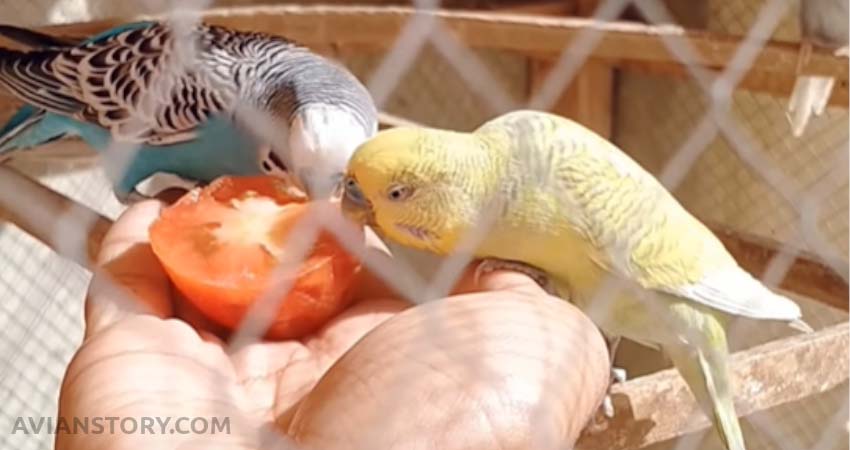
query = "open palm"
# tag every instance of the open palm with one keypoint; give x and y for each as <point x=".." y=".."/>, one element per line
<point x="498" y="364"/>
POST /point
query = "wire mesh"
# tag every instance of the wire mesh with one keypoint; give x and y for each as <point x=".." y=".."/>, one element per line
<point x="433" y="79"/>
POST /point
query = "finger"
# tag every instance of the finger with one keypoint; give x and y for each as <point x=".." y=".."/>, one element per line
<point x="497" y="280"/>
<point x="370" y="285"/>
<point x="150" y="373"/>
<point x="500" y="372"/>
<point x="129" y="279"/>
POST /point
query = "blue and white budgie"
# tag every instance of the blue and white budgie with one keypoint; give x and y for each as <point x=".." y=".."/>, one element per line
<point x="192" y="113"/>
<point x="825" y="23"/>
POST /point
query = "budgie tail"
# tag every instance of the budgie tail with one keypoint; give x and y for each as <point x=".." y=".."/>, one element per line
<point x="32" y="127"/>
<point x="24" y="120"/>
<point x="33" y="39"/>
<point x="706" y="372"/>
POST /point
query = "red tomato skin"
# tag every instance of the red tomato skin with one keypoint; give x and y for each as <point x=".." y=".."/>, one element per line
<point x="321" y="289"/>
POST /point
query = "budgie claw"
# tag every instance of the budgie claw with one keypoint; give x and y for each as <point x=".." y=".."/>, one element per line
<point x="618" y="374"/>
<point x="492" y="265"/>
<point x="608" y="406"/>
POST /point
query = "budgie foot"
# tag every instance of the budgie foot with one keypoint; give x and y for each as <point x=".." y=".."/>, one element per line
<point x="160" y="182"/>
<point x="492" y="264"/>
<point x="618" y="375"/>
<point x="153" y="186"/>
<point x="600" y="423"/>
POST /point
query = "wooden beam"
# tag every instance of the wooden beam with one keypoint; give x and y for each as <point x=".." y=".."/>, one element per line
<point x="376" y="27"/>
<point x="543" y="8"/>
<point x="775" y="84"/>
<point x="659" y="407"/>
<point x="589" y="98"/>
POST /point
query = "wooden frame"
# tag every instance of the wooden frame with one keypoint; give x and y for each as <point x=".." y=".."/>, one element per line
<point x="622" y="43"/>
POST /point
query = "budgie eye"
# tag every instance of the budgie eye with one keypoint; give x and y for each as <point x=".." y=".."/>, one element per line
<point x="352" y="191"/>
<point x="399" y="193"/>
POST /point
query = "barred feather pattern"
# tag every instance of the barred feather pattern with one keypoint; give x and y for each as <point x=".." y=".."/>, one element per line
<point x="140" y="85"/>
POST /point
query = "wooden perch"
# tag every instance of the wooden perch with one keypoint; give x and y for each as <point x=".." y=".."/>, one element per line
<point x="659" y="407"/>
<point x="363" y="28"/>
<point x="70" y="229"/>
<point x="778" y="85"/>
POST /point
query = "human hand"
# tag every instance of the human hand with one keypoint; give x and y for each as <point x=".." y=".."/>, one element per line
<point x="498" y="364"/>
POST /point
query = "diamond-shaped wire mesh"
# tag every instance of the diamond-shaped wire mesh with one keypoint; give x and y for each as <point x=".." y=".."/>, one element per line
<point x="41" y="316"/>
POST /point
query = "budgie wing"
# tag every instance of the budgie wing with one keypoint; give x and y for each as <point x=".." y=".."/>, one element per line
<point x="129" y="80"/>
<point x="641" y="233"/>
<point x="33" y="39"/>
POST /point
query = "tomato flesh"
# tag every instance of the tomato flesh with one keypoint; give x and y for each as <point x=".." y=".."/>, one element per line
<point x="221" y="247"/>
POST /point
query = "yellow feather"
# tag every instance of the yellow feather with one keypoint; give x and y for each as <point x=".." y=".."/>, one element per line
<point x="572" y="204"/>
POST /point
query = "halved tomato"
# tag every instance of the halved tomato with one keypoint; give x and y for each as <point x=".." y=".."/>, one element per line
<point x="222" y="245"/>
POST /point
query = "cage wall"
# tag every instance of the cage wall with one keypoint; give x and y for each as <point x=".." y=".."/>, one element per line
<point x="654" y="117"/>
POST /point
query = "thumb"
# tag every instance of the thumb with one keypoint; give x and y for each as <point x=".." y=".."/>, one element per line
<point x="128" y="278"/>
<point x="497" y="280"/>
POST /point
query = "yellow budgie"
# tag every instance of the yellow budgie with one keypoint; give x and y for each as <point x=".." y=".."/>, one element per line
<point x="572" y="205"/>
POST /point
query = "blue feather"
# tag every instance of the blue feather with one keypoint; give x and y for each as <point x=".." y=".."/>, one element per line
<point x="23" y="113"/>
<point x="218" y="149"/>
<point x="117" y="30"/>
<point x="26" y="130"/>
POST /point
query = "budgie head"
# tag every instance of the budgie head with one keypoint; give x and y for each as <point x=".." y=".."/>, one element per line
<point x="419" y="187"/>
<point x="327" y="112"/>
<point x="322" y="138"/>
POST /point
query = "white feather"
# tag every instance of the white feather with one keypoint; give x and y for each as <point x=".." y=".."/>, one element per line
<point x="736" y="292"/>
<point x="322" y="139"/>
